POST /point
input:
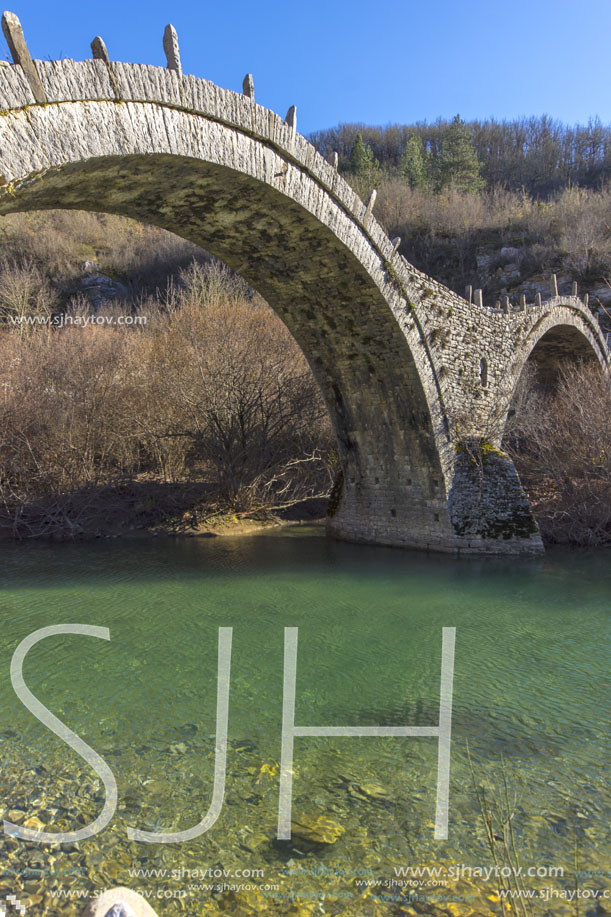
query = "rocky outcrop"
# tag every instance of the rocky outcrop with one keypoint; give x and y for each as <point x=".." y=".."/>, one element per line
<point x="502" y="273"/>
<point x="98" y="289"/>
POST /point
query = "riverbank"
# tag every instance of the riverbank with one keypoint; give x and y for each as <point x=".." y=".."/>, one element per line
<point x="147" y="509"/>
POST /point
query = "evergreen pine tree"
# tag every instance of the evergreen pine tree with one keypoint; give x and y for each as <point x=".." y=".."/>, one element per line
<point x="363" y="165"/>
<point x="361" y="157"/>
<point x="413" y="165"/>
<point x="458" y="165"/>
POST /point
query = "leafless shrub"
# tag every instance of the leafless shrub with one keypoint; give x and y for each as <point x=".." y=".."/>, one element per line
<point x="230" y="388"/>
<point x="450" y="211"/>
<point x="585" y="230"/>
<point x="24" y="293"/>
<point x="212" y="388"/>
<point x="561" y="444"/>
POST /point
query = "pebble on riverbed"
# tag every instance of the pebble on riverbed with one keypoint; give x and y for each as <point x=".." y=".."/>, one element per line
<point x="316" y="830"/>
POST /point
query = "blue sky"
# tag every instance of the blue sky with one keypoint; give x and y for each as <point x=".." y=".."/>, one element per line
<point x="389" y="61"/>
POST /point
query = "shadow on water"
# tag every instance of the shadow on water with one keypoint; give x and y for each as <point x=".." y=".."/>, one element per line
<point x="157" y="558"/>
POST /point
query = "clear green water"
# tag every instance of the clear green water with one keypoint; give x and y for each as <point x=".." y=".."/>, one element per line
<point x="531" y="688"/>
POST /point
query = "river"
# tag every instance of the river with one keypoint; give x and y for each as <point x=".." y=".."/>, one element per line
<point x="530" y="702"/>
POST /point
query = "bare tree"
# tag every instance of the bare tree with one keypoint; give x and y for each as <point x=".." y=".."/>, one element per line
<point x="561" y="444"/>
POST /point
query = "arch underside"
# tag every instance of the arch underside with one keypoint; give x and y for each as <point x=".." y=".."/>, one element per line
<point x="560" y="346"/>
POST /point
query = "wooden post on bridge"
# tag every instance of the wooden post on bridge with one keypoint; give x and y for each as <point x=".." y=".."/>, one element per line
<point x="98" y="49"/>
<point x="369" y="204"/>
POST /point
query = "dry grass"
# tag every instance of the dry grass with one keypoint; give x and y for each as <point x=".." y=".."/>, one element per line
<point x="442" y="233"/>
<point x="58" y="242"/>
<point x="213" y="388"/>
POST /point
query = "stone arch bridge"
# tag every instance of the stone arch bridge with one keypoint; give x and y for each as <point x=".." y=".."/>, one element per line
<point x="409" y="370"/>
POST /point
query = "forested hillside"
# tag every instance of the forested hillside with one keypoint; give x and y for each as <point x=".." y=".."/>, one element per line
<point x="493" y="205"/>
<point x="537" y="155"/>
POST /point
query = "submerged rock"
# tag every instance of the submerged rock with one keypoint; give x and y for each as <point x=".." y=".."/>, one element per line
<point x="316" y="830"/>
<point x="372" y="791"/>
<point x="119" y="902"/>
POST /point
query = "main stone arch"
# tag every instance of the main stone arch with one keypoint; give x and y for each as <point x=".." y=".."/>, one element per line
<point x="305" y="257"/>
<point x="397" y="355"/>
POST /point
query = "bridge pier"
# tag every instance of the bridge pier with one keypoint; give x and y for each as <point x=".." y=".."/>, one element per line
<point x="484" y="511"/>
<point x="487" y="506"/>
<point x="389" y="512"/>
